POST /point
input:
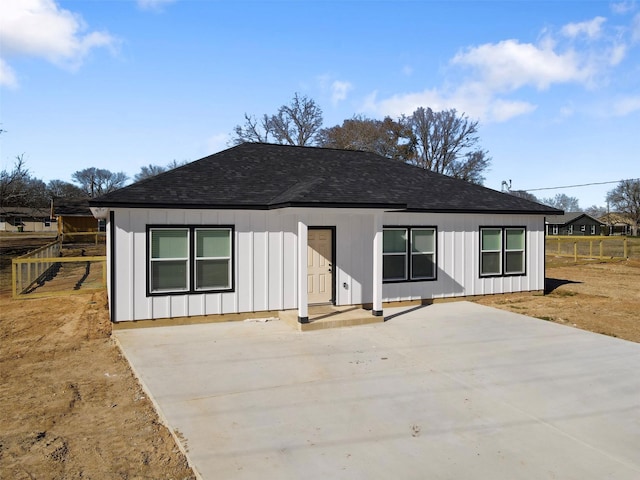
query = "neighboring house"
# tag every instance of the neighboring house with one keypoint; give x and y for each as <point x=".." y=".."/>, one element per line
<point x="265" y="228"/>
<point x="618" y="224"/>
<point x="74" y="216"/>
<point x="26" y="219"/>
<point x="574" y="223"/>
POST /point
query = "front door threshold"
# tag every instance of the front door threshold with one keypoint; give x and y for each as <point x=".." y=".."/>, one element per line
<point x="330" y="316"/>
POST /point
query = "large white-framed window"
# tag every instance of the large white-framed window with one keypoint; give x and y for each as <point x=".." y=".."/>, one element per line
<point x="502" y="251"/>
<point x="189" y="259"/>
<point x="408" y="254"/>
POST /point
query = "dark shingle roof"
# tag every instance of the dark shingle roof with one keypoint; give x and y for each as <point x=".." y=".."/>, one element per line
<point x="72" y="207"/>
<point x="568" y="217"/>
<point x="265" y="176"/>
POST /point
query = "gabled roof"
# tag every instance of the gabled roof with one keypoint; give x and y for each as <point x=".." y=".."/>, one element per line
<point x="569" y="217"/>
<point x="72" y="207"/>
<point x="265" y="176"/>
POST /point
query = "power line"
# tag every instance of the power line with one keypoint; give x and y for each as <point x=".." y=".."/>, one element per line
<point x="575" y="186"/>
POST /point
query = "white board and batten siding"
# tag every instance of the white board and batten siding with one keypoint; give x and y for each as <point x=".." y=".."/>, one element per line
<point x="458" y="257"/>
<point x="266" y="251"/>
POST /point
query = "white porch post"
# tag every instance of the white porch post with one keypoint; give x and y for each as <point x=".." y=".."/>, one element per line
<point x="377" y="265"/>
<point x="303" y="300"/>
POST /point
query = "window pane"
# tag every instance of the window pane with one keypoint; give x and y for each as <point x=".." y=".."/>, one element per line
<point x="169" y="243"/>
<point x="515" y="239"/>
<point x="514" y="262"/>
<point x="422" y="266"/>
<point x="169" y="275"/>
<point x="491" y="239"/>
<point x="394" y="241"/>
<point x="213" y="243"/>
<point x="491" y="263"/>
<point x="212" y="274"/>
<point x="423" y="241"/>
<point x="393" y="267"/>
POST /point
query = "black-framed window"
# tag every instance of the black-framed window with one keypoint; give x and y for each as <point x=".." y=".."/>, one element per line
<point x="502" y="251"/>
<point x="408" y="254"/>
<point x="190" y="259"/>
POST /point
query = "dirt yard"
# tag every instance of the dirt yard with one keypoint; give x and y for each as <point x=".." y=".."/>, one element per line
<point x="602" y="297"/>
<point x="70" y="406"/>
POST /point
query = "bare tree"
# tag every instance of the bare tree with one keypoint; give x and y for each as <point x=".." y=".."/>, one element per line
<point x="295" y="124"/>
<point x="447" y="143"/>
<point x="523" y="194"/>
<point x="563" y="202"/>
<point x="385" y="137"/>
<point x="149" y="171"/>
<point x="625" y="199"/>
<point x="97" y="181"/>
<point x="13" y="184"/>
<point x="62" y="189"/>
<point x="596" y="211"/>
<point x="252" y="130"/>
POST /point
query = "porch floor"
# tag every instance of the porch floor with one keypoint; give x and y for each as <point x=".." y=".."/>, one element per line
<point x="330" y="316"/>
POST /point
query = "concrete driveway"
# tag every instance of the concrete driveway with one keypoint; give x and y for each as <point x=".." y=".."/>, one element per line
<point x="448" y="391"/>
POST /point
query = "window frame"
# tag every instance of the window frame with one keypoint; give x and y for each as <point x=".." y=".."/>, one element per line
<point x="409" y="254"/>
<point x="555" y="230"/>
<point x="593" y="229"/>
<point x="191" y="260"/>
<point x="570" y="229"/>
<point x="503" y="251"/>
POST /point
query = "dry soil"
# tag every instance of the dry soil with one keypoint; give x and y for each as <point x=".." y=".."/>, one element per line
<point x="71" y="407"/>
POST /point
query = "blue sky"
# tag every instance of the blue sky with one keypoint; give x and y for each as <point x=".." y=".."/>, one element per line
<point x="119" y="84"/>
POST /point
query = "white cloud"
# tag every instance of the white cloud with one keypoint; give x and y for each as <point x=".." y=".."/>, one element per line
<point x="7" y="75"/>
<point x="407" y="70"/>
<point x="40" y="28"/>
<point x="153" y="4"/>
<point x="623" y="7"/>
<point x="626" y="106"/>
<point x="589" y="28"/>
<point x="635" y="29"/>
<point x="483" y="79"/>
<point x="509" y="65"/>
<point x="339" y="91"/>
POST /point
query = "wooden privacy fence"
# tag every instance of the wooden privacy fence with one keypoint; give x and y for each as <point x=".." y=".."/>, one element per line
<point x="44" y="272"/>
<point x="599" y="247"/>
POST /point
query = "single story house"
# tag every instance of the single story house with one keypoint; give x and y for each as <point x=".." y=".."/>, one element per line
<point x="619" y="224"/>
<point x="26" y="219"/>
<point x="574" y="223"/>
<point x="74" y="216"/>
<point x="266" y="228"/>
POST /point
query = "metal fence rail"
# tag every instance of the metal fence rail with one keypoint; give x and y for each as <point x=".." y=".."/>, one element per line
<point x="600" y="247"/>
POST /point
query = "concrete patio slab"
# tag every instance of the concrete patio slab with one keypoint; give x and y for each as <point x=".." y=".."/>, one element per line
<point x="449" y="391"/>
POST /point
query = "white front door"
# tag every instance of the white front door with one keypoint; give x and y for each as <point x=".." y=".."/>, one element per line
<point x="319" y="268"/>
